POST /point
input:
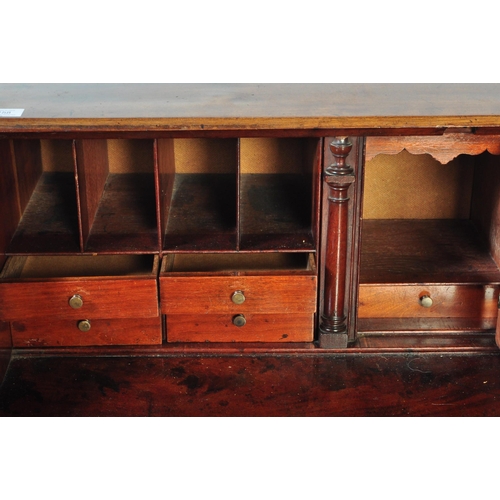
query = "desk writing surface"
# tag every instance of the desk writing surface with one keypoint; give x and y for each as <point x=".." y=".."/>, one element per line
<point x="248" y="106"/>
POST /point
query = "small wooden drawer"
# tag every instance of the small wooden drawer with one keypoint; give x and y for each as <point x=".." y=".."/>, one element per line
<point x="76" y="287"/>
<point x="252" y="328"/>
<point x="238" y="283"/>
<point x="428" y="301"/>
<point x="47" y="332"/>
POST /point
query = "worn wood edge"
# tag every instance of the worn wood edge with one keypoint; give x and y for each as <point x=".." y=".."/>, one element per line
<point x="225" y="350"/>
<point x="8" y="125"/>
<point x="444" y="148"/>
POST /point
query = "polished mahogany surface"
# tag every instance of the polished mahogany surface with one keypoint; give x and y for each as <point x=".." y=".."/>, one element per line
<point x="254" y="385"/>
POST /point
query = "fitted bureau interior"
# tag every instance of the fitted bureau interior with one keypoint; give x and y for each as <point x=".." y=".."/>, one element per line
<point x="86" y="195"/>
<point x="429" y="245"/>
<point x="278" y="183"/>
<point x="238" y="194"/>
<point x="198" y="179"/>
<point x="242" y="297"/>
<point x="42" y="202"/>
<point x="139" y="195"/>
<point x="81" y="300"/>
<point x="118" y="195"/>
<point x="98" y="215"/>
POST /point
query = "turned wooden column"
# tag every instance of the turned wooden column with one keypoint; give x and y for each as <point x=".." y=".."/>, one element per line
<point x="338" y="177"/>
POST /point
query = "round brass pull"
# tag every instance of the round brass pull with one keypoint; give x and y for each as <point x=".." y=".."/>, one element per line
<point x="84" y="325"/>
<point x="238" y="297"/>
<point x="239" y="320"/>
<point x="426" y="301"/>
<point x="76" y="302"/>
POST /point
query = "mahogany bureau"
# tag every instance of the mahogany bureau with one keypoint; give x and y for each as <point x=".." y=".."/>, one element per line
<point x="257" y="217"/>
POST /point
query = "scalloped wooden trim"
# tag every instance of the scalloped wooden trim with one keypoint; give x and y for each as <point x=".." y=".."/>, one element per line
<point x="443" y="148"/>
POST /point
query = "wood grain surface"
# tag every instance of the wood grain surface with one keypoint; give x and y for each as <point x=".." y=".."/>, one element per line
<point x="212" y="294"/>
<point x="102" y="299"/>
<point x="425" y="251"/>
<point x="444" y="148"/>
<point x="248" y="106"/>
<point x="53" y="331"/>
<point x="403" y="301"/>
<point x="261" y="385"/>
<point x="258" y="328"/>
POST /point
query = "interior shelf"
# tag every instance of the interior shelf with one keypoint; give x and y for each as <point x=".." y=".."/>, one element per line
<point x="118" y="195"/>
<point x="125" y="219"/>
<point x="50" y="221"/>
<point x="429" y="247"/>
<point x="278" y="193"/>
<point x="276" y="212"/>
<point x="198" y="179"/>
<point x="46" y="196"/>
<point x="248" y="194"/>
<point x="202" y="213"/>
<point x="425" y="251"/>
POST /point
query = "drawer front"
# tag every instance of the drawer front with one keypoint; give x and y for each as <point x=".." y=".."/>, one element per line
<point x="103" y="299"/>
<point x="66" y="333"/>
<point x="256" y="328"/>
<point x="262" y="294"/>
<point x="406" y="301"/>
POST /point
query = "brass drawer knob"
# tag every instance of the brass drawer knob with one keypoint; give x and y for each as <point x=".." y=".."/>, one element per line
<point x="425" y="301"/>
<point x="239" y="320"/>
<point x="84" y="325"/>
<point x="76" y="302"/>
<point x="238" y="297"/>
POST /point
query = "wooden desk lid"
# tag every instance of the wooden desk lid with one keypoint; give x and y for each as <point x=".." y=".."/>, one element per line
<point x="136" y="107"/>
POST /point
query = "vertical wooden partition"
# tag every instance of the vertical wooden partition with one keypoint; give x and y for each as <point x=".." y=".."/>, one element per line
<point x="93" y="170"/>
<point x="9" y="203"/>
<point x="165" y="161"/>
<point x="118" y="193"/>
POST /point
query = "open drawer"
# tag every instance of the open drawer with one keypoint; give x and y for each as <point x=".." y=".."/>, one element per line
<point x="265" y="297"/>
<point x="73" y="294"/>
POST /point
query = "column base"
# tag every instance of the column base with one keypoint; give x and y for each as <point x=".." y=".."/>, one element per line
<point x="333" y="340"/>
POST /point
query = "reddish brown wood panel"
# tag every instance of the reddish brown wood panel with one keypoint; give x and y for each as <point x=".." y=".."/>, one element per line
<point x="443" y="148"/>
<point x="202" y="213"/>
<point x="9" y="203"/>
<point x="5" y="348"/>
<point x="258" y="328"/>
<point x="54" y="332"/>
<point x="126" y="218"/>
<point x="102" y="299"/>
<point x="93" y="170"/>
<point x="426" y="326"/>
<point x="28" y="162"/>
<point x="425" y="251"/>
<point x="276" y="211"/>
<point x="485" y="207"/>
<point x="5" y="338"/>
<point x="439" y="340"/>
<point x="403" y="301"/>
<point x="242" y="385"/>
<point x="164" y="151"/>
<point x="263" y="294"/>
<point x="50" y="221"/>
